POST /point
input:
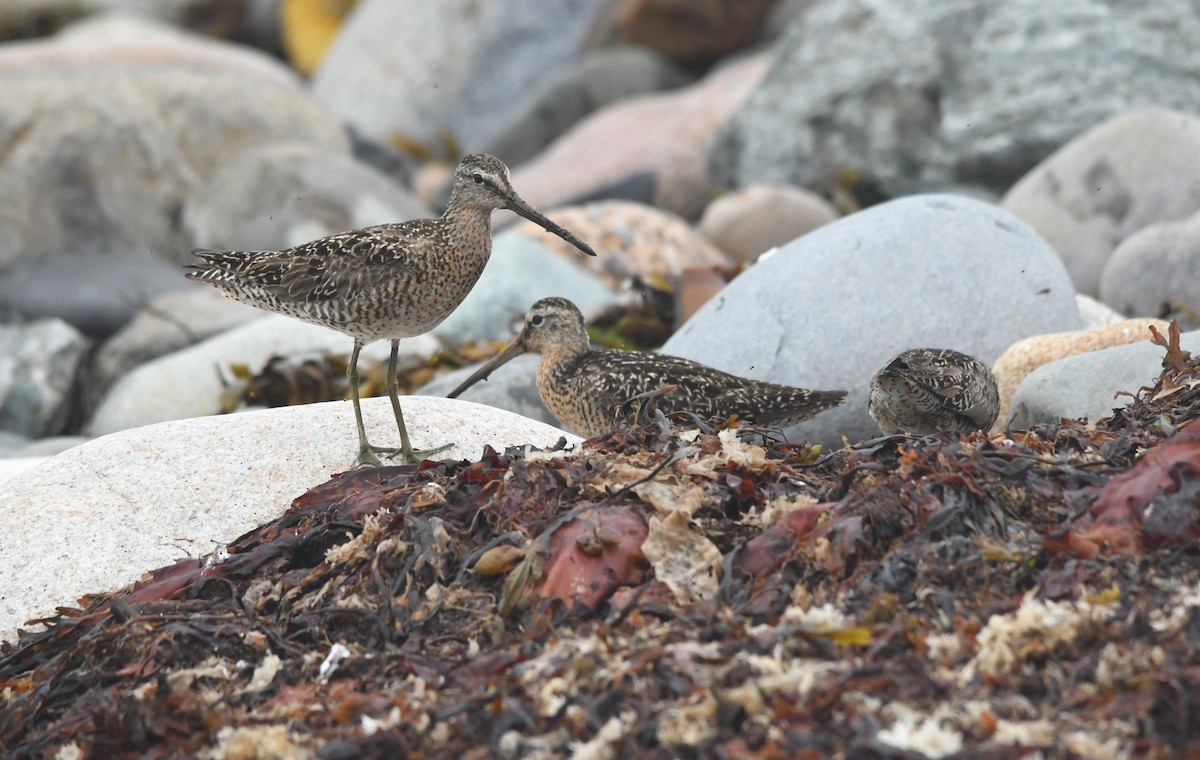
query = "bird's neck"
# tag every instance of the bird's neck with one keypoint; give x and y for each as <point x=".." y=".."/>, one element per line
<point x="469" y="227"/>
<point x="566" y="353"/>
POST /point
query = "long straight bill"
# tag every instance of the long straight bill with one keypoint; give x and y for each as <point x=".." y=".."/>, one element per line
<point x="530" y="213"/>
<point x="512" y="351"/>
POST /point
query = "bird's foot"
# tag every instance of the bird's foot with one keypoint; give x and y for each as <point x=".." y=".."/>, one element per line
<point x="368" y="456"/>
<point x="415" y="456"/>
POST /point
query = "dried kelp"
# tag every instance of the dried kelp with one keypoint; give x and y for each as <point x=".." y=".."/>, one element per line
<point x="662" y="594"/>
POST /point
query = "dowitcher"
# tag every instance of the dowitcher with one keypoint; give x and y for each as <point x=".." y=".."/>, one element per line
<point x="589" y="389"/>
<point x="391" y="281"/>
<point x="926" y="390"/>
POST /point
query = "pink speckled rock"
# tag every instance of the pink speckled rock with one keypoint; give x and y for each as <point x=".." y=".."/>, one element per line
<point x="1026" y="355"/>
<point x="667" y="135"/>
<point x="630" y="239"/>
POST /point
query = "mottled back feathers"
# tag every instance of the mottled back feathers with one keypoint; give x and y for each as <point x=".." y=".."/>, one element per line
<point x="926" y="390"/>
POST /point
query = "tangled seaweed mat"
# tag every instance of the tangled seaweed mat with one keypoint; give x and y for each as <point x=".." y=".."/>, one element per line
<point x="661" y="595"/>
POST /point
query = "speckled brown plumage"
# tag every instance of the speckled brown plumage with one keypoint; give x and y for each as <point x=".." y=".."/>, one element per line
<point x="391" y="281"/>
<point x="927" y="390"/>
<point x="588" y="388"/>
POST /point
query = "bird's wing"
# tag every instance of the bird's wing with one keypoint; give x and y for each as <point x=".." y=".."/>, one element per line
<point x="622" y="375"/>
<point x="327" y="268"/>
<point x="961" y="387"/>
<point x="352" y="262"/>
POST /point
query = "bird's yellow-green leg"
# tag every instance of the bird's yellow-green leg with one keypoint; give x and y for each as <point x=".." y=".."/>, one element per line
<point x="406" y="450"/>
<point x="366" y="452"/>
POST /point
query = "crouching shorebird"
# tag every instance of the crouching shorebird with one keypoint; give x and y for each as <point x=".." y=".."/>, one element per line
<point x="588" y="388"/>
<point x="391" y="281"/>
<point x="927" y="390"/>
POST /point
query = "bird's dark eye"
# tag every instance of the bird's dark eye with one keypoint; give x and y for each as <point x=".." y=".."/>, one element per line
<point x="536" y="320"/>
<point x="478" y="178"/>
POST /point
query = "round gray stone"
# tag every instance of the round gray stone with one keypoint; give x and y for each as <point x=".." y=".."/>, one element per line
<point x="107" y="129"/>
<point x="1090" y="385"/>
<point x="830" y="308"/>
<point x="1106" y="184"/>
<point x="1156" y="271"/>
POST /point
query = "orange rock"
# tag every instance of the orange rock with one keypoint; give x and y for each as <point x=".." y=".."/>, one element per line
<point x="1026" y="355"/>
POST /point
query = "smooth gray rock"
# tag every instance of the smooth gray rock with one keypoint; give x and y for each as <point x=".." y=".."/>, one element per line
<point x="520" y="271"/>
<point x="1156" y="272"/>
<point x="752" y="220"/>
<point x="829" y="309"/>
<point x="1130" y="172"/>
<point x="1090" y="385"/>
<point x="140" y="499"/>
<point x="95" y="291"/>
<point x="913" y="96"/>
<point x="426" y="71"/>
<point x="169" y="323"/>
<point x="511" y="387"/>
<point x="108" y="128"/>
<point x="277" y="196"/>
<point x="600" y="78"/>
<point x="194" y="382"/>
<point x="38" y="364"/>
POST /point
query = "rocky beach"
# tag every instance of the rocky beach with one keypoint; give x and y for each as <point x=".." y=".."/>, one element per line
<point x="792" y="191"/>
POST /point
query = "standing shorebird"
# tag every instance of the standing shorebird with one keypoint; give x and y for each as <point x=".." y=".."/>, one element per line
<point x="588" y="388"/>
<point x="926" y="390"/>
<point x="391" y="281"/>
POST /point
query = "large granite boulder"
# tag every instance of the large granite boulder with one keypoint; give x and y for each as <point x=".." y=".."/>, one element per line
<point x="911" y="96"/>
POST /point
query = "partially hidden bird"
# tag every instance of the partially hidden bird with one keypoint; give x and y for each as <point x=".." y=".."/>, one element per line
<point x="390" y="281"/>
<point x="589" y="389"/>
<point x="927" y="390"/>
